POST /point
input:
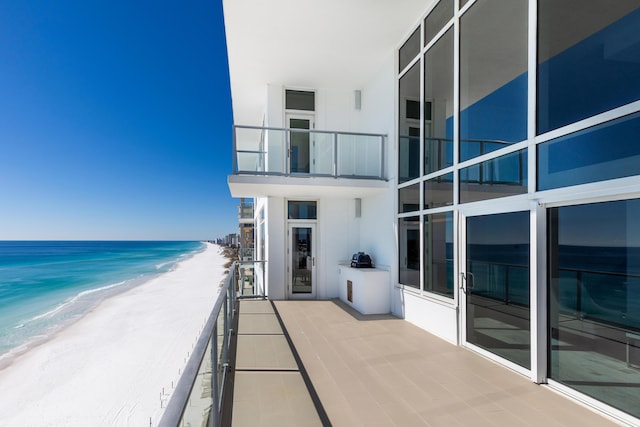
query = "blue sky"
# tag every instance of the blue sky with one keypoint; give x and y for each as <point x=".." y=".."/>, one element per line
<point x="115" y="120"/>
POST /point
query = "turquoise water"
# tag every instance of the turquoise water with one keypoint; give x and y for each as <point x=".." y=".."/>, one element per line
<point x="45" y="285"/>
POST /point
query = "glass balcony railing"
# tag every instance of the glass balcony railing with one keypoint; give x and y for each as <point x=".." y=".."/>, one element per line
<point x="200" y="392"/>
<point x="293" y="152"/>
<point x="245" y="211"/>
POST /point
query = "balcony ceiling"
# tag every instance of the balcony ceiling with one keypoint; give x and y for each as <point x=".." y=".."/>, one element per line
<point x="310" y="44"/>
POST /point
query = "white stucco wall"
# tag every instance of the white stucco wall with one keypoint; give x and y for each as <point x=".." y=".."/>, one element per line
<point x="276" y="249"/>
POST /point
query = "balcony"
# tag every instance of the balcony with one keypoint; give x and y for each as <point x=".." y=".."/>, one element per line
<point x="276" y="161"/>
<point x="312" y="363"/>
<point x="245" y="213"/>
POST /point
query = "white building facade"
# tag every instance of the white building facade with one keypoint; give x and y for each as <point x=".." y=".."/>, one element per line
<point x="484" y="153"/>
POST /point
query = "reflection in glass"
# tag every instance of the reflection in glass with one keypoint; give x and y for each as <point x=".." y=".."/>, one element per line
<point x="493" y="76"/>
<point x="409" y="198"/>
<point x="299" y="100"/>
<point x="594" y="300"/>
<point x="409" y="262"/>
<point x="301" y="260"/>
<point x="438" y="253"/>
<point x="409" y="125"/>
<point x="409" y="49"/>
<point x="299" y="146"/>
<point x="438" y="191"/>
<point x="437" y="18"/>
<point x="497" y="285"/>
<point x="438" y="92"/>
<point x="302" y="210"/>
<point x="588" y="68"/>
<point x="595" y="154"/>
<point x="500" y="177"/>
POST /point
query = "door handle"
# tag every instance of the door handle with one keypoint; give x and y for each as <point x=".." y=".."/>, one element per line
<point x="313" y="261"/>
<point x="468" y="279"/>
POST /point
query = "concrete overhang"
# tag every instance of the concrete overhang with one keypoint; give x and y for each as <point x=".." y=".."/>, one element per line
<point x="291" y="187"/>
<point x="310" y="44"/>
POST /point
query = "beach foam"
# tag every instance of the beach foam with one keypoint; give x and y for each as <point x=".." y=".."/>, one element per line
<point x="115" y="366"/>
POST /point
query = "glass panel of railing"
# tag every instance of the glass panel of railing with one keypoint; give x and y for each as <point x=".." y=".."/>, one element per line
<point x="221" y="339"/>
<point x="359" y="155"/>
<point x="260" y="150"/>
<point x="247" y="280"/>
<point x="276" y="143"/>
<point x="250" y="149"/>
<point x="322" y="157"/>
<point x="200" y="400"/>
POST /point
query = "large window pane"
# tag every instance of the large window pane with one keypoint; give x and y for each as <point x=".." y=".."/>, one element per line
<point x="409" y="198"/>
<point x="493" y="76"/>
<point x="438" y="253"/>
<point x="409" y="126"/>
<point x="594" y="300"/>
<point x="497" y="285"/>
<point x="437" y="18"/>
<point x="438" y="93"/>
<point x="598" y="153"/>
<point x="438" y="191"/>
<point x="409" y="49"/>
<point x="409" y="262"/>
<point x="588" y="58"/>
<point x="500" y="177"/>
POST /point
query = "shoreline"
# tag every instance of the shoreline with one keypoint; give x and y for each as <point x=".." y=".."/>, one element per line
<point x="102" y="294"/>
<point x="118" y="362"/>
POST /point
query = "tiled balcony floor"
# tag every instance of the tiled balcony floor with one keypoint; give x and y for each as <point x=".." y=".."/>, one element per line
<point x="382" y="371"/>
<point x="268" y="387"/>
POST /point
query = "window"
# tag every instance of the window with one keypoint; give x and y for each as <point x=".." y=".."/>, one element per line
<point x="437" y="18"/>
<point x="500" y="177"/>
<point x="599" y="153"/>
<point x="438" y="191"/>
<point x="409" y="138"/>
<point x="409" y="50"/>
<point x="438" y="253"/>
<point x="302" y="210"/>
<point x="409" y="262"/>
<point x="588" y="68"/>
<point x="594" y="300"/>
<point x="438" y="90"/>
<point x="300" y="100"/>
<point x="409" y="198"/>
<point x="493" y="76"/>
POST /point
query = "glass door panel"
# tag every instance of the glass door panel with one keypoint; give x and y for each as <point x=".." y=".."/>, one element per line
<point x="299" y="151"/>
<point x="302" y="261"/>
<point x="496" y="285"/>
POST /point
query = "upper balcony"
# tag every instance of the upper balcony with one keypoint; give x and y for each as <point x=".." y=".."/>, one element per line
<point x="245" y="212"/>
<point x="289" y="162"/>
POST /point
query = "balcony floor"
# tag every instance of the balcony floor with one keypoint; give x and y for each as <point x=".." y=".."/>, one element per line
<point x="378" y="370"/>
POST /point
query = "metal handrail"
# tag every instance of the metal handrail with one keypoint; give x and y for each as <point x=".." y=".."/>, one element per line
<point x="175" y="410"/>
<point x="381" y="135"/>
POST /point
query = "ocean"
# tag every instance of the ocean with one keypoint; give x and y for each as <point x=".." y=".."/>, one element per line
<point x="46" y="285"/>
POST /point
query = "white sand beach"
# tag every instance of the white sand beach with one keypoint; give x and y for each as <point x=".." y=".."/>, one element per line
<point x="110" y="367"/>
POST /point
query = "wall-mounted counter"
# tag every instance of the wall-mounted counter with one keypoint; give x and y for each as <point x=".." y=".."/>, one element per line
<point x="365" y="289"/>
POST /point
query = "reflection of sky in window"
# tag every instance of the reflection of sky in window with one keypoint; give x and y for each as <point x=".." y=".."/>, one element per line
<point x="501" y="229"/>
<point x="600" y="224"/>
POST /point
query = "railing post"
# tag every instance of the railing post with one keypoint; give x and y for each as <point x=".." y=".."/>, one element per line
<point x="235" y="152"/>
<point x="382" y="159"/>
<point x="335" y="154"/>
<point x="287" y="152"/>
